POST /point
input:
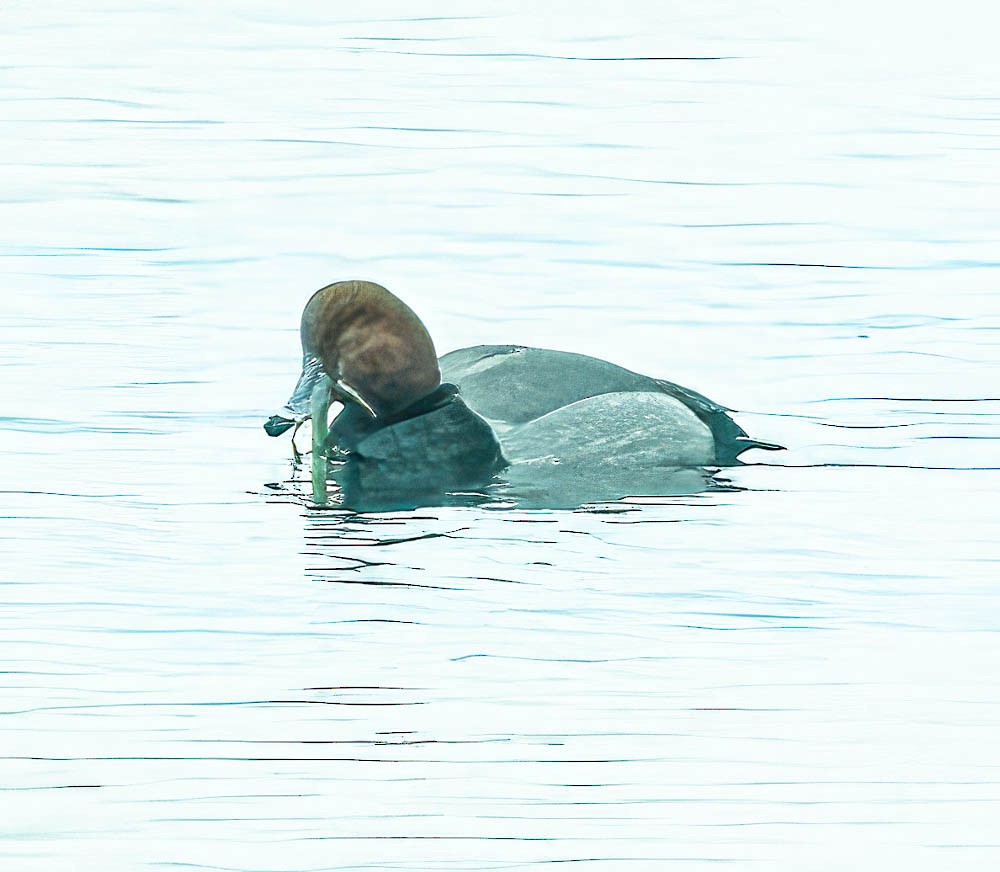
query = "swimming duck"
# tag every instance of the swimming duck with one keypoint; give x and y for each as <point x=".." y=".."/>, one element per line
<point x="579" y="428"/>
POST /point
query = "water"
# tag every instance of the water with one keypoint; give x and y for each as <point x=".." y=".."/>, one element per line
<point x="791" y="210"/>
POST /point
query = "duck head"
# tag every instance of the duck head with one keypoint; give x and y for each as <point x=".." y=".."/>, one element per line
<point x="374" y="348"/>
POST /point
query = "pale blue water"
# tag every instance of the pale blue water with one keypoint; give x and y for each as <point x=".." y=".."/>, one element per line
<point x="791" y="209"/>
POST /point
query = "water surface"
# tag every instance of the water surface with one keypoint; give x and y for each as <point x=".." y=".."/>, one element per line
<point x="793" y="211"/>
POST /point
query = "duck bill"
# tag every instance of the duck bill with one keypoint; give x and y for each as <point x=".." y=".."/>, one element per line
<point x="297" y="409"/>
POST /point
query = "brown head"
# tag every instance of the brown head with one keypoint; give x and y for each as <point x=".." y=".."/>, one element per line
<point x="372" y="345"/>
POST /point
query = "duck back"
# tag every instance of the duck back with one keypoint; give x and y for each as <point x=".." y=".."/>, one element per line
<point x="515" y="384"/>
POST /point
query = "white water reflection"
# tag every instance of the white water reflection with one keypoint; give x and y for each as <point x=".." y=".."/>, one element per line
<point x="200" y="671"/>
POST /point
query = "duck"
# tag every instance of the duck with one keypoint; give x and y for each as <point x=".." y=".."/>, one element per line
<point x="552" y="428"/>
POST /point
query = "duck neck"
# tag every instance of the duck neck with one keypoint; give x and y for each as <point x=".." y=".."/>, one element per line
<point x="438" y="397"/>
<point x="353" y="424"/>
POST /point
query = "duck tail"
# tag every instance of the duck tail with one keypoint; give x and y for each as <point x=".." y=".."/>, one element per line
<point x="745" y="443"/>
